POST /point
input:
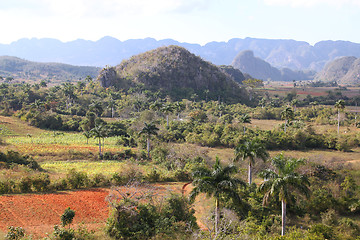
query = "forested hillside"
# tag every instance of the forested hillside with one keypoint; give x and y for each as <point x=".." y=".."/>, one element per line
<point x="174" y="71"/>
<point x="24" y="70"/>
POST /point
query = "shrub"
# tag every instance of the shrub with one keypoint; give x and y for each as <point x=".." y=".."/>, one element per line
<point x="326" y="231"/>
<point x="153" y="176"/>
<point x="15" y="233"/>
<point x="67" y="217"/>
<point x="41" y="182"/>
<point x="77" y="179"/>
<point x="25" y="184"/>
<point x="99" y="180"/>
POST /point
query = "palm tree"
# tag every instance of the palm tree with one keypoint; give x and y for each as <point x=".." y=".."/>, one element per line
<point x="251" y="150"/>
<point x="295" y="103"/>
<point x="96" y="107"/>
<point x="112" y="105"/>
<point x="99" y="132"/>
<point x="245" y="119"/>
<point x="283" y="181"/>
<point x="179" y="107"/>
<point x="287" y="114"/>
<point x="88" y="135"/>
<point x="149" y="130"/>
<point x="339" y="105"/>
<point x="167" y="109"/>
<point x="216" y="182"/>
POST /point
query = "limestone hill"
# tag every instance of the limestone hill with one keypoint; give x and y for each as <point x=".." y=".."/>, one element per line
<point x="174" y="71"/>
<point x="344" y="70"/>
<point x="246" y="62"/>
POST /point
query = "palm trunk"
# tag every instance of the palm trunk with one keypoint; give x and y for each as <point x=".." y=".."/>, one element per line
<point x="338" y="127"/>
<point x="100" y="146"/>
<point x="244" y="129"/>
<point x="167" y="120"/>
<point x="112" y="112"/>
<point x="283" y="217"/>
<point x="285" y="125"/>
<point x="249" y="174"/>
<point x="148" y="147"/>
<point x="217" y="218"/>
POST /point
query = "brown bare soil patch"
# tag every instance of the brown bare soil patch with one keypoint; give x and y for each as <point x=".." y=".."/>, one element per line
<point x="38" y="213"/>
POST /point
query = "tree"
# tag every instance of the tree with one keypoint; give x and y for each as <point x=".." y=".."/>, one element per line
<point x="99" y="131"/>
<point x="67" y="216"/>
<point x="96" y="107"/>
<point x="88" y="135"/>
<point x="287" y="114"/>
<point x="216" y="182"/>
<point x="112" y="105"/>
<point x="68" y="90"/>
<point x="245" y="119"/>
<point x="148" y="130"/>
<point x="251" y="150"/>
<point x="179" y="107"/>
<point x="340" y="106"/>
<point x="295" y="103"/>
<point x="283" y="181"/>
<point x="167" y="109"/>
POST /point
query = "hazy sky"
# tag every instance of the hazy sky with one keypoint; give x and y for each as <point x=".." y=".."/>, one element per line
<point x="193" y="21"/>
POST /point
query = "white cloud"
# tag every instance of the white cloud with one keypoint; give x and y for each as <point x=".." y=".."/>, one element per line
<point x="310" y="3"/>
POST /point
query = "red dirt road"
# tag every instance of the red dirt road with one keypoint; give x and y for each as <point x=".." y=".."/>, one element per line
<point x="38" y="213"/>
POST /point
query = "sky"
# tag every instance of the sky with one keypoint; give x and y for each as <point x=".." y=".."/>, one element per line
<point x="192" y="21"/>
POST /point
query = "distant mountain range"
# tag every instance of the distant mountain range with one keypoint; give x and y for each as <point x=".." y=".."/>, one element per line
<point x="295" y="55"/>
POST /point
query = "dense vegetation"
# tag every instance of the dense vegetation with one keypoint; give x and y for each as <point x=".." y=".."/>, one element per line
<point x="175" y="72"/>
<point x="147" y="129"/>
<point x="16" y="68"/>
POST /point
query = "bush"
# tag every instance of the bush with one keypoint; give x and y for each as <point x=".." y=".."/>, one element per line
<point x="99" y="180"/>
<point x="324" y="230"/>
<point x="67" y="217"/>
<point x="25" y="184"/>
<point x="77" y="179"/>
<point x="15" y="233"/>
<point x="41" y="182"/>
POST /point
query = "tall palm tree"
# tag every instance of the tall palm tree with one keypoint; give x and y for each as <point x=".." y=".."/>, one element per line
<point x="167" y="109"/>
<point x="287" y="114"/>
<point x="149" y="130"/>
<point x="251" y="150"/>
<point x="339" y="105"/>
<point x="216" y="182"/>
<point x="112" y="105"/>
<point x="283" y="181"/>
<point x="245" y="119"/>
<point x="295" y="103"/>
<point x="179" y="107"/>
<point x="99" y="131"/>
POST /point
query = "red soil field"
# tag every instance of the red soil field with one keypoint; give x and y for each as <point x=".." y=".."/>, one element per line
<point x="38" y="213"/>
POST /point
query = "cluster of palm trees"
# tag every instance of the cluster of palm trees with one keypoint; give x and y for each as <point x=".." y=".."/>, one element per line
<point x="279" y="180"/>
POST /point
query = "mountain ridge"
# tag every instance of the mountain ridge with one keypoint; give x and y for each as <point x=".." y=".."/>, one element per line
<point x="280" y="53"/>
